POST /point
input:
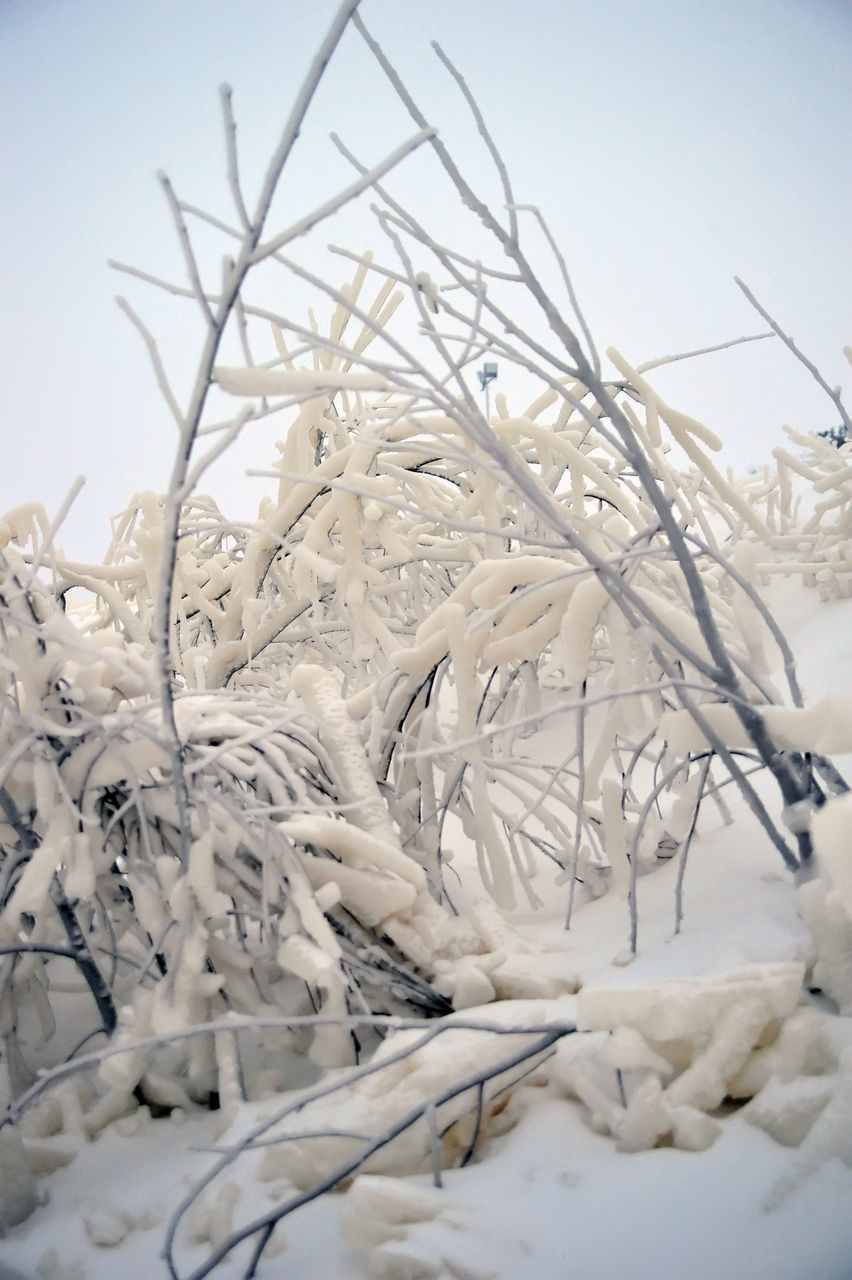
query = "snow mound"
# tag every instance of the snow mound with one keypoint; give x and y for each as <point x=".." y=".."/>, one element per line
<point x="702" y="1032"/>
<point x="409" y="1111"/>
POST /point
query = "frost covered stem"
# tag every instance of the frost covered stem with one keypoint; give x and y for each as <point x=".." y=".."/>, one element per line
<point x="765" y="613"/>
<point x="230" y="125"/>
<point x="469" y="198"/>
<point x="231" y="286"/>
<point x="793" y="785"/>
<point x="581" y="787"/>
<point x="832" y="393"/>
<point x="83" y="957"/>
<point x="77" y="944"/>
<point x="681" y="871"/>
<point x="747" y="791"/>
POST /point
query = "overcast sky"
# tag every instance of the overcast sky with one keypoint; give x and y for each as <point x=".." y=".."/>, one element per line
<point x="671" y="144"/>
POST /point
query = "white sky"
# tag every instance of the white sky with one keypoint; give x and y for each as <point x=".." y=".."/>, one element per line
<point x="670" y="143"/>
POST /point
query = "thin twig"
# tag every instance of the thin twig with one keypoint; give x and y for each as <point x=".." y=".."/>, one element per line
<point x="581" y="786"/>
<point x="230" y="127"/>
<point x="486" y="135"/>
<point x="186" y="248"/>
<point x="833" y="393"/>
<point x="684" y="853"/>
<point x="332" y="206"/>
<point x="153" y="350"/>
<point x="700" y="351"/>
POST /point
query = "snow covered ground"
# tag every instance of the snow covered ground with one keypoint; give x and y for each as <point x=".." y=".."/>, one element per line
<point x="547" y="1195"/>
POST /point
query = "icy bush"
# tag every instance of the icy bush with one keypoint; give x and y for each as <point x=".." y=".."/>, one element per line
<point x="238" y="761"/>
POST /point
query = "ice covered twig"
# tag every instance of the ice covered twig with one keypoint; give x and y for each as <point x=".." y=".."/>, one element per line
<point x="833" y="393"/>
<point x="403" y="1084"/>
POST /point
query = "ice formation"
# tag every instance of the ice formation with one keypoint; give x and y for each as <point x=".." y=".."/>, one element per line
<point x="676" y="1051"/>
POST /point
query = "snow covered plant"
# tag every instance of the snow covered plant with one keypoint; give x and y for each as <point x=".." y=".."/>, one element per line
<point x="237" y="760"/>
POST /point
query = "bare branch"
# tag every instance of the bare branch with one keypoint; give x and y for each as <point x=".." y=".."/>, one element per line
<point x="701" y="351"/>
<point x="230" y="126"/>
<point x="342" y="198"/>
<point x="833" y="393"/>
<point x="186" y="248"/>
<point x="154" y="353"/>
<point x="485" y="134"/>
